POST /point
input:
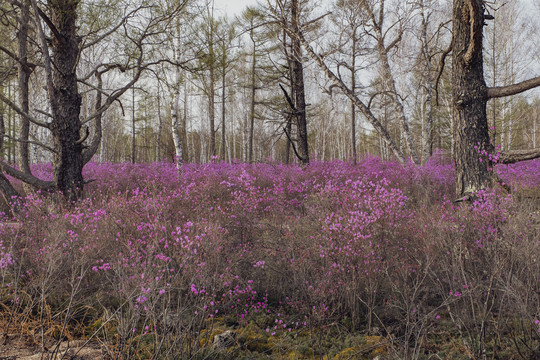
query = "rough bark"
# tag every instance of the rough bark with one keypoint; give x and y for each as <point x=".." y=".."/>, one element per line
<point x="6" y="189"/>
<point x="24" y="72"/>
<point x="299" y="91"/>
<point x="64" y="96"/>
<point x="469" y="96"/>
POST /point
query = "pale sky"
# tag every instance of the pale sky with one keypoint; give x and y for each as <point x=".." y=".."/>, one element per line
<point x="233" y="7"/>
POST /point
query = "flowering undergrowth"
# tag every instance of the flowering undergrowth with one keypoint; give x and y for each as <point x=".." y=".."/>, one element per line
<point x="154" y="257"/>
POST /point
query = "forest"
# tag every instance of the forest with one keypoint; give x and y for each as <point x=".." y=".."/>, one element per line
<point x="306" y="179"/>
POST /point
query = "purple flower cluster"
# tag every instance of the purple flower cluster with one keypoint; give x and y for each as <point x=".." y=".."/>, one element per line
<point x="329" y="241"/>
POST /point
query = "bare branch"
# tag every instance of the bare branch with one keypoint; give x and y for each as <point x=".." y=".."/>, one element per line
<point x="441" y="69"/>
<point x="47" y="58"/>
<point x="27" y="67"/>
<point x="502" y="91"/>
<point x="288" y="98"/>
<point x="291" y="141"/>
<point x="25" y="177"/>
<point x="37" y="143"/>
<point x="306" y="24"/>
<point x="111" y="31"/>
<point x="22" y="113"/>
<point x="350" y="94"/>
<point x="514" y="156"/>
<point x="396" y="41"/>
<point x="85" y="136"/>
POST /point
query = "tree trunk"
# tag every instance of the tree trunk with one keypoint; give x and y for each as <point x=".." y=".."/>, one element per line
<point x="24" y="77"/>
<point x="89" y="152"/>
<point x="252" y="96"/>
<point x="353" y="89"/>
<point x="427" y="116"/>
<point x="363" y="108"/>
<point x="160" y="126"/>
<point x="223" y="108"/>
<point x="212" y="91"/>
<point x="390" y="85"/>
<point x="175" y="124"/>
<point x="177" y="140"/>
<point x="6" y="189"/>
<point x="299" y="91"/>
<point x="469" y="96"/>
<point x="133" y="133"/>
<point x="288" y="142"/>
<point x="64" y="97"/>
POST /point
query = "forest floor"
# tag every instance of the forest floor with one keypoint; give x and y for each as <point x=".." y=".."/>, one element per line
<point x="27" y="347"/>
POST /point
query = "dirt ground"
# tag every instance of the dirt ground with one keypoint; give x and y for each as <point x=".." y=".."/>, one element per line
<point x="21" y="347"/>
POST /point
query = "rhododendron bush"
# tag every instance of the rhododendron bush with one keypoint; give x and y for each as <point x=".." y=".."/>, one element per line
<point x="153" y="252"/>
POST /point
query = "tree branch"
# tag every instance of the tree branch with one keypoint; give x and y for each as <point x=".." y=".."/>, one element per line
<point x="381" y="130"/>
<point x="27" y="178"/>
<point x="27" y="67"/>
<point x="441" y="69"/>
<point x="22" y="113"/>
<point x="514" y="156"/>
<point x="475" y="41"/>
<point x="37" y="143"/>
<point x="291" y="141"/>
<point x="502" y="91"/>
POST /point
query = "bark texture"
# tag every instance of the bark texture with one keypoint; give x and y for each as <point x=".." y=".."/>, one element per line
<point x="66" y="100"/>
<point x="299" y="91"/>
<point x="24" y="72"/>
<point x="469" y="96"/>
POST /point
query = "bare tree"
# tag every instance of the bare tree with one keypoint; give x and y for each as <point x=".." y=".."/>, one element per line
<point x="61" y="45"/>
<point x="288" y="15"/>
<point x="375" y="9"/>
<point x="338" y="81"/>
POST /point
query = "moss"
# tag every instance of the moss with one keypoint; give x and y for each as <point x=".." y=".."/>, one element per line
<point x="350" y="353"/>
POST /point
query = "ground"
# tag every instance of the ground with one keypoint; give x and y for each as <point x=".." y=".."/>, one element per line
<point x="25" y="347"/>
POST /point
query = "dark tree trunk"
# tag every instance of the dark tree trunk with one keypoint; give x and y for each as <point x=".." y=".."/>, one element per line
<point x="133" y="129"/>
<point x="469" y="96"/>
<point x="223" y="108"/>
<point x="66" y="102"/>
<point x="299" y="91"/>
<point x="252" y="97"/>
<point x="6" y="189"/>
<point x="212" y="110"/>
<point x="24" y="72"/>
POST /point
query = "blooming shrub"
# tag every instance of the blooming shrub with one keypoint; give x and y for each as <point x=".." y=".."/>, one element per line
<point x="152" y="251"/>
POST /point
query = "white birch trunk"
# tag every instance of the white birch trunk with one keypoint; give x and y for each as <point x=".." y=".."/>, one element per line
<point x="175" y="111"/>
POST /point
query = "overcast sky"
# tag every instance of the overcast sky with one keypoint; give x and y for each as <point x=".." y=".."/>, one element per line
<point x="235" y="7"/>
